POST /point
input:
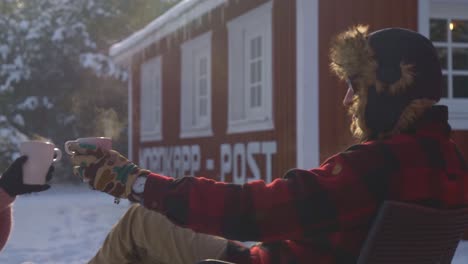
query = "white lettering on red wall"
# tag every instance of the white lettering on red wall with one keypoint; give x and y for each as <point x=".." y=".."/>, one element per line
<point x="174" y="161"/>
<point x="239" y="160"/>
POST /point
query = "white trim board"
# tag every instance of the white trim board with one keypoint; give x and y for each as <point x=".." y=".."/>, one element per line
<point x="307" y="93"/>
<point x="130" y="114"/>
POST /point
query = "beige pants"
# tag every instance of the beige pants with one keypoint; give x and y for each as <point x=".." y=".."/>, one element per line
<point x="144" y="236"/>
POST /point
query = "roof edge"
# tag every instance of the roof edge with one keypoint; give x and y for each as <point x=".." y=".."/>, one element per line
<point x="173" y="19"/>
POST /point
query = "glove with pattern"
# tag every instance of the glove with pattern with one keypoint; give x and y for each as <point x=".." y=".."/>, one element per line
<point x="12" y="179"/>
<point x="105" y="170"/>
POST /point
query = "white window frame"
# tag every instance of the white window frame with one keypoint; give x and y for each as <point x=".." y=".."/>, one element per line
<point x="150" y="102"/>
<point x="446" y="9"/>
<point x="241" y="116"/>
<point x="192" y="123"/>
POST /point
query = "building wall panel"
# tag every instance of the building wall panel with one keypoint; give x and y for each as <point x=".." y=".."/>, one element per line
<point x="268" y="152"/>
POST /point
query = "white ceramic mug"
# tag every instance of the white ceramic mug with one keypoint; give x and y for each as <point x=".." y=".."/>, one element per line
<point x="40" y="156"/>
<point x="92" y="142"/>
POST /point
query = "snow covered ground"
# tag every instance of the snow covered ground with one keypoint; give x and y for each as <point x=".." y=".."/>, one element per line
<point x="66" y="225"/>
<point x="62" y="225"/>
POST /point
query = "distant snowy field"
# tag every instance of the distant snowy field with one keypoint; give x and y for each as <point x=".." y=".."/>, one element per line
<point x="66" y="225"/>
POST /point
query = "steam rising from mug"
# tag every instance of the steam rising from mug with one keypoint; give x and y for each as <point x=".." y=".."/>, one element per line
<point x="108" y="124"/>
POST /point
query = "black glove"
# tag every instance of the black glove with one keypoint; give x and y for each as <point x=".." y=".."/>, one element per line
<point x="12" y="179"/>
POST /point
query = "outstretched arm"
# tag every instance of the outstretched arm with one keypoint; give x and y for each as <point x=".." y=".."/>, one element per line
<point x="339" y="194"/>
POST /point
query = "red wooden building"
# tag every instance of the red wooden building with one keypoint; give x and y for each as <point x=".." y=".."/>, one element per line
<point x="239" y="90"/>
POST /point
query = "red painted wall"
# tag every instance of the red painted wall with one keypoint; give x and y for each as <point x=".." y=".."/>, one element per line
<point x="284" y="94"/>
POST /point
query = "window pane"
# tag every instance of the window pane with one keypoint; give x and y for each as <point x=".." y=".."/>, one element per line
<point x="156" y="118"/>
<point x="259" y="95"/>
<point x="460" y="31"/>
<point x="203" y="107"/>
<point x="460" y="86"/>
<point x="442" y="52"/>
<point x="438" y="30"/>
<point x="255" y="96"/>
<point x="259" y="71"/>
<point x="203" y="66"/>
<point x="253" y="72"/>
<point x="253" y="48"/>
<point x="259" y="47"/>
<point x="444" y="86"/>
<point x="203" y="89"/>
<point x="460" y="59"/>
<point x="252" y="96"/>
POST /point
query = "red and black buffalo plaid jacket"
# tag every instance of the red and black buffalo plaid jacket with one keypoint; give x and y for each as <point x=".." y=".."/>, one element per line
<point x="320" y="215"/>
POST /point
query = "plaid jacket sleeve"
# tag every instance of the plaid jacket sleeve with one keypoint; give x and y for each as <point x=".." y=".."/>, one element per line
<point x="338" y="193"/>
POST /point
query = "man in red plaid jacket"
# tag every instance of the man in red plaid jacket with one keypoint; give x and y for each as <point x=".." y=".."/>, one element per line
<point x="320" y="215"/>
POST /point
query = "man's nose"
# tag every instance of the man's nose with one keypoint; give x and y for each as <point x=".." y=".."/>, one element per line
<point x="348" y="99"/>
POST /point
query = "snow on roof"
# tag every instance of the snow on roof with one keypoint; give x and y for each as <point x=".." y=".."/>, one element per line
<point x="173" y="19"/>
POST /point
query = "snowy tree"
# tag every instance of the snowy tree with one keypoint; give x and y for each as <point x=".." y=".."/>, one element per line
<point x="56" y="80"/>
<point x="44" y="30"/>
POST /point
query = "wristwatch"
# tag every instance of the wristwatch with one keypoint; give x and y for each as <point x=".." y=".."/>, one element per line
<point x="139" y="185"/>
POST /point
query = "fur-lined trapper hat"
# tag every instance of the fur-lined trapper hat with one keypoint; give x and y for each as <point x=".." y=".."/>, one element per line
<point x="395" y="74"/>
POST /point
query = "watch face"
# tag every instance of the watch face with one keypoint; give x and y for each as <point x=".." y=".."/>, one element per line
<point x="139" y="185"/>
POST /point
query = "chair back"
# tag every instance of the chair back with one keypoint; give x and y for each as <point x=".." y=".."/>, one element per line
<point x="409" y="233"/>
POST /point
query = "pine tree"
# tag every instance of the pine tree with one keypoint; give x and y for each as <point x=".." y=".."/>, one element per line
<point x="56" y="80"/>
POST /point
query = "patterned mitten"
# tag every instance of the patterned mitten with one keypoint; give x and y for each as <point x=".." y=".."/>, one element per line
<point x="106" y="170"/>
